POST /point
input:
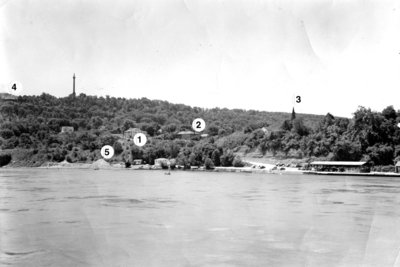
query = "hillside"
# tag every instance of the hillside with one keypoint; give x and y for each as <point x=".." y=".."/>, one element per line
<point x="30" y="131"/>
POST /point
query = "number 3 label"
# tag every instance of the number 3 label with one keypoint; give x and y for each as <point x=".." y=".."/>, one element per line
<point x="198" y="125"/>
<point x="140" y="139"/>
<point x="107" y="152"/>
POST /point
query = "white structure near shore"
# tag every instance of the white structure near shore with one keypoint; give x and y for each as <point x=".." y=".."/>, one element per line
<point x="130" y="133"/>
<point x="341" y="166"/>
<point x="161" y="161"/>
<point x="67" y="129"/>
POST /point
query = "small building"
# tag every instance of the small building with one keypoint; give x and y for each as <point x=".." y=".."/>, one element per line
<point x="186" y="134"/>
<point x="119" y="136"/>
<point x="338" y="166"/>
<point x="130" y="133"/>
<point x="137" y="162"/>
<point x="8" y="97"/>
<point x="397" y="167"/>
<point x="161" y="161"/>
<point x="67" y="129"/>
<point x="204" y="135"/>
<point x="265" y="130"/>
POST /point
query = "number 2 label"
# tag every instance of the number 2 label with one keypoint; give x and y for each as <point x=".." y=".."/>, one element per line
<point x="198" y="125"/>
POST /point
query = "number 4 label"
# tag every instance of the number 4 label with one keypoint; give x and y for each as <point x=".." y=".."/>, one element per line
<point x="15" y="88"/>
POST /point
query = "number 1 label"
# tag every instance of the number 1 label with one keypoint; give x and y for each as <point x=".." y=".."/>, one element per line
<point x="140" y="139"/>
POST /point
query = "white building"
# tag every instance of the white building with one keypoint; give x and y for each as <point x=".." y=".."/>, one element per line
<point x="130" y="133"/>
<point x="67" y="129"/>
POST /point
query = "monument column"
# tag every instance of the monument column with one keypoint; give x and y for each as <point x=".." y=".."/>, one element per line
<point x="73" y="86"/>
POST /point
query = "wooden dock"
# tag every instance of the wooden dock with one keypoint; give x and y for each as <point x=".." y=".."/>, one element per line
<point x="375" y="174"/>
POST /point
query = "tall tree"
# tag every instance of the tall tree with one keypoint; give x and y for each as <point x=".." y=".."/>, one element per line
<point x="293" y="114"/>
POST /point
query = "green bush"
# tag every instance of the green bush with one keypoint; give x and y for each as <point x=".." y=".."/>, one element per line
<point x="5" y="159"/>
<point x="388" y="168"/>
<point x="227" y="159"/>
<point x="68" y="159"/>
<point x="164" y="165"/>
<point x="118" y="148"/>
<point x="10" y="143"/>
<point x="58" y="155"/>
<point x="6" y="133"/>
<point x="209" y="164"/>
<point x="172" y="164"/>
<point x="237" y="162"/>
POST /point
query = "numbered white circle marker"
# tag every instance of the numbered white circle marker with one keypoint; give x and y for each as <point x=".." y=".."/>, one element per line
<point x="107" y="152"/>
<point x="398" y="125"/>
<point x="140" y="139"/>
<point x="198" y="125"/>
<point x="296" y="99"/>
<point x="15" y="88"/>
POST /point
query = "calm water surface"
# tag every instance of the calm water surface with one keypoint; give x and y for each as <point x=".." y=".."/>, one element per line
<point x="146" y="218"/>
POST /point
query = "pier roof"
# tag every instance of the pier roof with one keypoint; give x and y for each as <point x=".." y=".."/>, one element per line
<point x="338" y="163"/>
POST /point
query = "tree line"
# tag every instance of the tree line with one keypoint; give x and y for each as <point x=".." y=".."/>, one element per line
<point x="33" y="123"/>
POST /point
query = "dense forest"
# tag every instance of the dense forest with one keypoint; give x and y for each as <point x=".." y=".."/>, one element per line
<point x="30" y="132"/>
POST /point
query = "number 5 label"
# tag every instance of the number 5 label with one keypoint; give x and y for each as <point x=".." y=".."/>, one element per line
<point x="140" y="139"/>
<point x="107" y="152"/>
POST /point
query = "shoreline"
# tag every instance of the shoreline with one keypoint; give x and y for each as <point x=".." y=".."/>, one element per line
<point x="257" y="168"/>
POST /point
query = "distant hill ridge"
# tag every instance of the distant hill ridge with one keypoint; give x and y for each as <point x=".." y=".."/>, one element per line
<point x="7" y="96"/>
<point x="150" y="111"/>
<point x="34" y="123"/>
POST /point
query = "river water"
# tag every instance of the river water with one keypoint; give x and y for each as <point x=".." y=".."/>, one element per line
<point x="51" y="217"/>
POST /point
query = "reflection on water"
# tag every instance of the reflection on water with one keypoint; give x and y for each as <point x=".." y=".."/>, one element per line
<point x="145" y="218"/>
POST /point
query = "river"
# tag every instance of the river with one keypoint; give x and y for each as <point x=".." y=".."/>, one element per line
<point x="67" y="217"/>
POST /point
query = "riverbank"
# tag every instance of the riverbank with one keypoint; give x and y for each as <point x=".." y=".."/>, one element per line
<point x="252" y="166"/>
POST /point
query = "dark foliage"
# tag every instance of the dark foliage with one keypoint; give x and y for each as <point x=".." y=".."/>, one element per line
<point x="34" y="122"/>
<point x="5" y="159"/>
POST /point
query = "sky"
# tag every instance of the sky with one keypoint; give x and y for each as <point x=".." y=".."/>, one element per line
<point x="248" y="54"/>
